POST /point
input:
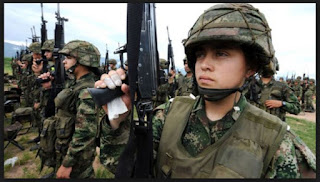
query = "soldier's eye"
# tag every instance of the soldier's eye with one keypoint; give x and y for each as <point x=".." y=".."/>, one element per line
<point x="220" y="53"/>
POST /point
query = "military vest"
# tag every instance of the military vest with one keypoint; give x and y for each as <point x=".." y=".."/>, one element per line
<point x="245" y="151"/>
<point x="272" y="92"/>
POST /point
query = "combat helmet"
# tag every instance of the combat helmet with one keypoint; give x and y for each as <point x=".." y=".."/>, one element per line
<point x="163" y="64"/>
<point x="35" y="47"/>
<point x="27" y="57"/>
<point x="185" y="60"/>
<point x="112" y="61"/>
<point x="234" y="22"/>
<point x="85" y="53"/>
<point x="48" y="45"/>
<point x="126" y="63"/>
<point x="311" y="80"/>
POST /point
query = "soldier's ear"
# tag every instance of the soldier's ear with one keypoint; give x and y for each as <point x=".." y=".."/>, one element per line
<point x="250" y="72"/>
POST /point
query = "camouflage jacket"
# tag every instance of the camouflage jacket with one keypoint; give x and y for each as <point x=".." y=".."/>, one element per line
<point x="275" y="90"/>
<point x="311" y="90"/>
<point x="82" y="146"/>
<point x="297" y="89"/>
<point x="293" y="159"/>
<point x="186" y="86"/>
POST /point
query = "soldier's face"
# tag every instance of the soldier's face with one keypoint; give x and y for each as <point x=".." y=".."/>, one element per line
<point x="220" y="66"/>
<point x="186" y="67"/>
<point x="48" y="54"/>
<point x="36" y="56"/>
<point x="69" y="61"/>
<point x="35" y="67"/>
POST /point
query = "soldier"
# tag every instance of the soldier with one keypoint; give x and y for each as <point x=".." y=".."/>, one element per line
<point x="14" y="68"/>
<point x="305" y="86"/>
<point x="162" y="90"/>
<point x="281" y="80"/>
<point x="219" y="134"/>
<point x="297" y="89"/>
<point x="310" y="96"/>
<point x="48" y="46"/>
<point x="112" y="64"/>
<point x="75" y="121"/>
<point x="26" y="64"/>
<point x="186" y="85"/>
<point x="275" y="97"/>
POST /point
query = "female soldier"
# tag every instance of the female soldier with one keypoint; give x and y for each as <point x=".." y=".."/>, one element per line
<point x="219" y="134"/>
<point x="75" y="121"/>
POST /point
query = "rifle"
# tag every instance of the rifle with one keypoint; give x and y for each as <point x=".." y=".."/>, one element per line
<point x="143" y="65"/>
<point x="34" y="36"/>
<point x="120" y="51"/>
<point x="58" y="45"/>
<point x="173" y="67"/>
<point x="170" y="53"/>
<point x="43" y="39"/>
<point x="106" y="62"/>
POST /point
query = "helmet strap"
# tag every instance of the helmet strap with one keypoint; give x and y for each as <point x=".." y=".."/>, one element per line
<point x="218" y="94"/>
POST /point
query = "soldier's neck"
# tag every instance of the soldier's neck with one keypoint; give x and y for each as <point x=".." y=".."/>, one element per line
<point x="218" y="109"/>
<point x="265" y="80"/>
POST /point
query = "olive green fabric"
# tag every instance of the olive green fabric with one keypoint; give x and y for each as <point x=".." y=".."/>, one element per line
<point x="227" y="158"/>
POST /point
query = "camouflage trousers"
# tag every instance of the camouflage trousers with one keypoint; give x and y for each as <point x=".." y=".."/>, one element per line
<point x="308" y="104"/>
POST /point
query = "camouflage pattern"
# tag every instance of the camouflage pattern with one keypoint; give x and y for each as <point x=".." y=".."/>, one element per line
<point x="48" y="45"/>
<point x="214" y="25"/>
<point x="297" y="89"/>
<point x="35" y="47"/>
<point x="27" y="57"/>
<point x="162" y="95"/>
<point x="186" y="86"/>
<point x="275" y="90"/>
<point x="163" y="64"/>
<point x="112" y="143"/>
<point x="85" y="53"/>
<point x="200" y="133"/>
<point x="112" y="61"/>
<point x="81" y="149"/>
<point x="309" y="93"/>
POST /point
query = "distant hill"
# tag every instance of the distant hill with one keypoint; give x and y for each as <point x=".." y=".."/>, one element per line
<point x="10" y="49"/>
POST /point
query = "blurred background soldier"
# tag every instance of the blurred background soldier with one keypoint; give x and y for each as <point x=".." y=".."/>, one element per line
<point x="297" y="89"/>
<point x="26" y="64"/>
<point x="309" y="96"/>
<point x="112" y="64"/>
<point x="305" y="86"/>
<point x="281" y="80"/>
<point x="163" y="89"/>
<point x="275" y="97"/>
<point x="186" y="84"/>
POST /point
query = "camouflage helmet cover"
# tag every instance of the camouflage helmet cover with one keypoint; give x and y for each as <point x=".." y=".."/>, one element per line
<point x="85" y="53"/>
<point x="311" y="80"/>
<point x="48" y="45"/>
<point x="236" y="22"/>
<point x="35" y="47"/>
<point x="163" y="63"/>
<point x="299" y="78"/>
<point x="112" y="61"/>
<point x="27" y="57"/>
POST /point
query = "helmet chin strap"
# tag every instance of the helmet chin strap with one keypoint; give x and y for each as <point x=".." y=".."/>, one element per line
<point x="72" y="68"/>
<point x="210" y="94"/>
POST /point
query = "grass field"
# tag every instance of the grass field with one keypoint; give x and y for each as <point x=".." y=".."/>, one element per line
<point x="7" y="66"/>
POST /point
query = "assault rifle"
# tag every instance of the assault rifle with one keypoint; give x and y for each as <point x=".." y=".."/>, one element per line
<point x="43" y="39"/>
<point x="106" y="61"/>
<point x="58" y="45"/>
<point x="120" y="51"/>
<point x="34" y="36"/>
<point x="143" y="65"/>
<point x="173" y="67"/>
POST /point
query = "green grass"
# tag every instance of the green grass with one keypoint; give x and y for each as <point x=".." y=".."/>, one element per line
<point x="26" y="156"/>
<point x="7" y="66"/>
<point x="7" y="167"/>
<point x="306" y="130"/>
<point x="103" y="173"/>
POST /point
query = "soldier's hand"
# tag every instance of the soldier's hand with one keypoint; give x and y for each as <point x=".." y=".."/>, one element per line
<point x="63" y="172"/>
<point x="36" y="105"/>
<point x="111" y="80"/>
<point x="46" y="85"/>
<point x="273" y="103"/>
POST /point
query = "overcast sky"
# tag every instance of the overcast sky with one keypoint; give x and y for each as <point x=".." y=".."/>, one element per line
<point x="293" y="28"/>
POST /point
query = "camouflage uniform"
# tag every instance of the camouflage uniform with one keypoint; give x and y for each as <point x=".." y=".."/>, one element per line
<point x="297" y="89"/>
<point x="292" y="156"/>
<point x="275" y="90"/>
<point x="309" y="93"/>
<point x="186" y="86"/>
<point x="163" y="89"/>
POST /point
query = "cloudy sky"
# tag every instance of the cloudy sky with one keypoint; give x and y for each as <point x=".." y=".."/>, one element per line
<point x="293" y="28"/>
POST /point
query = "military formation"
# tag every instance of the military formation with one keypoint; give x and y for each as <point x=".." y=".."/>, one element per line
<point x="225" y="118"/>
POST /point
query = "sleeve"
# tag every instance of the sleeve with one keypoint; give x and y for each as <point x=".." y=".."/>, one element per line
<point x="83" y="140"/>
<point x="293" y="159"/>
<point x="157" y="125"/>
<point x="292" y="104"/>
